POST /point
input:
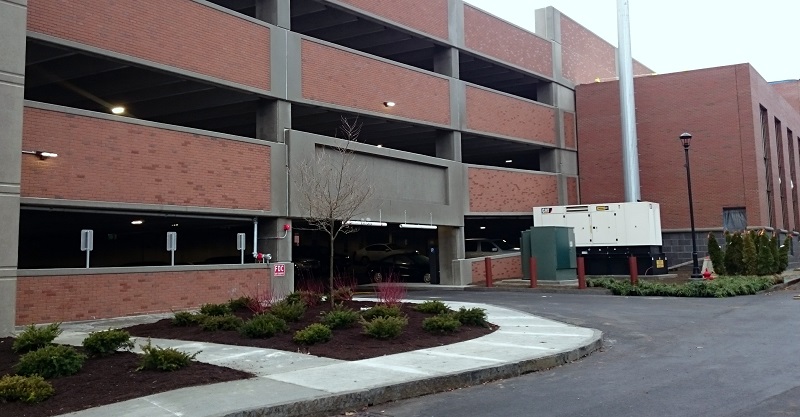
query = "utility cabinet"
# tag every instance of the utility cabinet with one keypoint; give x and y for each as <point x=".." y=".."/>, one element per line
<point x="554" y="250"/>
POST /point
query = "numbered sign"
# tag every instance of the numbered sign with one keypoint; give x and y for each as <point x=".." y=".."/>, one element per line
<point x="279" y="270"/>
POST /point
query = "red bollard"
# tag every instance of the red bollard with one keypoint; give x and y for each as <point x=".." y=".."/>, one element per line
<point x="534" y="272"/>
<point x="581" y="274"/>
<point x="488" y="262"/>
<point x="634" y="268"/>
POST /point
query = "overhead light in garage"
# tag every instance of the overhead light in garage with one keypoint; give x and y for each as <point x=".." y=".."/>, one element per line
<point x="118" y="110"/>
<point x="508" y="161"/>
<point x="137" y="222"/>
<point x="364" y="223"/>
<point x="483" y="227"/>
<point x="41" y="154"/>
<point x="380" y="146"/>
<point x="389" y="103"/>
<point x="418" y="226"/>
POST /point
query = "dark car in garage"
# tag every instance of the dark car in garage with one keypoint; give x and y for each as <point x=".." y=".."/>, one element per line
<point x="400" y="267"/>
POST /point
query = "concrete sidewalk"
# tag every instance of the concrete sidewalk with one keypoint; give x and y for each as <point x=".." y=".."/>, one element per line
<point x="293" y="384"/>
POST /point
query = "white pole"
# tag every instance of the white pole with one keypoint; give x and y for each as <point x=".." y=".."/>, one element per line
<point x="630" y="152"/>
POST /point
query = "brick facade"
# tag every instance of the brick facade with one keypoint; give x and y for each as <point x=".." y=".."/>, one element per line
<point x="790" y="91"/>
<point x="570" y="137"/>
<point x="50" y="299"/>
<point x="429" y="16"/>
<point x="492" y="112"/>
<point x="103" y="160"/>
<point x="573" y="195"/>
<point x="498" y="190"/>
<point x="365" y="83"/>
<point x="502" y="268"/>
<point x="181" y="33"/>
<point x="499" y="39"/>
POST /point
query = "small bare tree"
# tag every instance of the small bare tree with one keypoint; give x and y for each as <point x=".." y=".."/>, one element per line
<point x="333" y="187"/>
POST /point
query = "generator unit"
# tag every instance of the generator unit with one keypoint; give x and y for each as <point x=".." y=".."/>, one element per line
<point x="607" y="234"/>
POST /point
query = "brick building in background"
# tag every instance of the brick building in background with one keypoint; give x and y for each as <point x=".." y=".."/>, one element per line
<point x="224" y="97"/>
<point x="744" y="152"/>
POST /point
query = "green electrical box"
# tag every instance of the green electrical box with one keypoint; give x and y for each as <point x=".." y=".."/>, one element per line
<point x="554" y="250"/>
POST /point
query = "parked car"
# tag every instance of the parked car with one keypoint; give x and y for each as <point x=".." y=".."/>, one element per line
<point x="401" y="267"/>
<point x="377" y="252"/>
<point x="480" y="247"/>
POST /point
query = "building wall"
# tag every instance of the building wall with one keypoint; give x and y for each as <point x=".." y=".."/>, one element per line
<point x="499" y="39"/>
<point x="114" y="161"/>
<point x="429" y="16"/>
<point x="180" y="33"/>
<point x="501" y="114"/>
<point x="503" y="267"/>
<point x="790" y="91"/>
<point x="56" y="298"/>
<point x="509" y="191"/>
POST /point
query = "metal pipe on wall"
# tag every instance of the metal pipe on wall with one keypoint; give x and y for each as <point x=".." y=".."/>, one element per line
<point x="630" y="152"/>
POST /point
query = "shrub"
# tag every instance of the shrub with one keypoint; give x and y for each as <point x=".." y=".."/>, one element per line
<point x="342" y="294"/>
<point x="28" y="389"/>
<point x="260" y="301"/>
<point x="185" y="319"/>
<point x="381" y="310"/>
<point x="263" y="326"/>
<point x="215" y="309"/>
<point x="716" y="254"/>
<point x="783" y="254"/>
<point x="240" y="303"/>
<point x="33" y="337"/>
<point x="50" y="362"/>
<point x="107" y="342"/>
<point x="749" y="255"/>
<point x="765" y="261"/>
<point x="734" y="254"/>
<point x="339" y="318"/>
<point x="472" y="316"/>
<point x="775" y="252"/>
<point x="432" y="307"/>
<point x="288" y="311"/>
<point x="720" y="287"/>
<point x="391" y="291"/>
<point x="314" y="333"/>
<point x="384" y="327"/>
<point x="442" y="323"/>
<point x="226" y="322"/>
<point x="163" y="359"/>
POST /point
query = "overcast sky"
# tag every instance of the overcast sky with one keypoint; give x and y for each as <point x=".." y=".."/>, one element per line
<point x="678" y="35"/>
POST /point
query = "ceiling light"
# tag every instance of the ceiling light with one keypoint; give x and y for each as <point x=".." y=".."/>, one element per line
<point x="364" y="223"/>
<point x="483" y="227"/>
<point x="380" y="146"/>
<point x="41" y="154"/>
<point x="418" y="226"/>
<point x="137" y="222"/>
<point x="508" y="161"/>
<point x="174" y="224"/>
<point x="118" y="110"/>
<point x="389" y="103"/>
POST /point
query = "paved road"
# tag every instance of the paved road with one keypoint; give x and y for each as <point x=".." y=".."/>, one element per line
<point x="662" y="357"/>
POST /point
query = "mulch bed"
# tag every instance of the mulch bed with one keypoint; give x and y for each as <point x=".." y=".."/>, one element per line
<point x="112" y="379"/>
<point x="108" y="380"/>
<point x="346" y="344"/>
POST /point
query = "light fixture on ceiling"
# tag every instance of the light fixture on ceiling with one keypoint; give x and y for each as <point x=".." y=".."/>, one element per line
<point x="483" y="227"/>
<point x="380" y="146"/>
<point x="389" y="104"/>
<point x="137" y="222"/>
<point x="41" y="154"/>
<point x="364" y="223"/>
<point x="407" y="225"/>
<point x="118" y="110"/>
<point x="508" y="161"/>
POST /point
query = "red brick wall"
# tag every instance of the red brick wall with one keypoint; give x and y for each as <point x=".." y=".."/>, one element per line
<point x="86" y="297"/>
<point x="790" y="91"/>
<point x="492" y="112"/>
<point x="103" y="160"/>
<point x="495" y="190"/>
<point x="586" y="56"/>
<point x="570" y="140"/>
<point x="347" y="79"/>
<point x="429" y="16"/>
<point x="180" y="33"/>
<point x="715" y="105"/>
<point x="502" y="268"/>
<point x="573" y="197"/>
<point x="499" y="39"/>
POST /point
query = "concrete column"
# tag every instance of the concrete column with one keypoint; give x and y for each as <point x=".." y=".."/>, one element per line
<point x="445" y="61"/>
<point x="13" y="15"/>
<point x="273" y="117"/>
<point x="270" y="240"/>
<point x="275" y="12"/>
<point x="448" y="145"/>
<point x="451" y="247"/>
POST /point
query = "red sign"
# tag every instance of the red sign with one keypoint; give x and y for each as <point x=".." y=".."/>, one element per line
<point x="279" y="270"/>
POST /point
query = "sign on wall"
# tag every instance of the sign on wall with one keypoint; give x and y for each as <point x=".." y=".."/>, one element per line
<point x="279" y="270"/>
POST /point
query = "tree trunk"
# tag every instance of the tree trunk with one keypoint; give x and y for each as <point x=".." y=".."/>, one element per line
<point x="330" y="275"/>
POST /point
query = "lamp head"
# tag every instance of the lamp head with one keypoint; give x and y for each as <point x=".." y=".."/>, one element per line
<point x="685" y="139"/>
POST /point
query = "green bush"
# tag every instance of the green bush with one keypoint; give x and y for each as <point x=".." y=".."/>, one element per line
<point x="163" y="359"/>
<point x="50" y="362"/>
<point x="734" y="253"/>
<point x="226" y="322"/>
<point x="295" y="297"/>
<point x="716" y="254"/>
<point x="288" y="311"/>
<point x="186" y="319"/>
<point x="432" y="307"/>
<point x="215" y="309"/>
<point x="442" y="323"/>
<point x="749" y="254"/>
<point x="263" y="326"/>
<point x="106" y="342"/>
<point x="33" y="337"/>
<point x="720" y="287"/>
<point x="240" y="303"/>
<point x="783" y="254"/>
<point x="765" y="262"/>
<point x="342" y="294"/>
<point x="774" y="247"/>
<point x="339" y="318"/>
<point x="314" y="333"/>
<point x="383" y="327"/>
<point x="28" y="389"/>
<point x="381" y="310"/>
<point x="472" y="316"/>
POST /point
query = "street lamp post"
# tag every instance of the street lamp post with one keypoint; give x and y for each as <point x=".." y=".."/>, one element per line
<point x="685" y="139"/>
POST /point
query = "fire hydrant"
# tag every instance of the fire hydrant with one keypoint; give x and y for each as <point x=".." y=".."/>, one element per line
<point x="707" y="275"/>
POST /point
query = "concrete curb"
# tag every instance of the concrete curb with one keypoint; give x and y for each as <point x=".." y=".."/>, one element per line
<point x="588" y="291"/>
<point x="325" y="406"/>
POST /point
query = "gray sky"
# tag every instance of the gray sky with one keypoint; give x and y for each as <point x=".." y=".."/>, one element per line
<point x="678" y="35"/>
